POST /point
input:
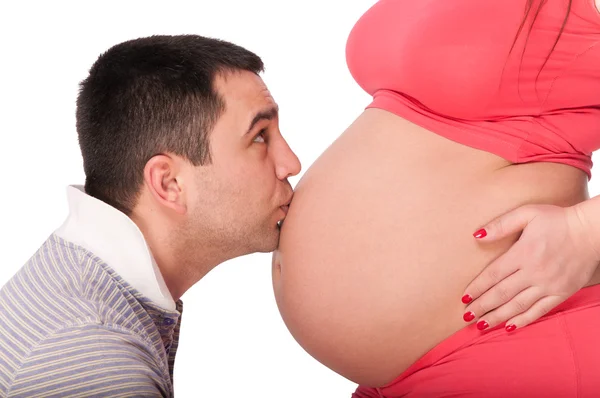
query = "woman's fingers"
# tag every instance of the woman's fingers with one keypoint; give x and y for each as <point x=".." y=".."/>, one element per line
<point x="499" y="295"/>
<point x="494" y="273"/>
<point x="520" y="303"/>
<point x="535" y="312"/>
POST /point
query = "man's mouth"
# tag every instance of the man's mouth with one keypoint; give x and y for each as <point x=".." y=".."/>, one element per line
<point x="285" y="209"/>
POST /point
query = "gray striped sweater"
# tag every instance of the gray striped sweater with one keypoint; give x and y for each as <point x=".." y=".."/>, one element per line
<point x="71" y="327"/>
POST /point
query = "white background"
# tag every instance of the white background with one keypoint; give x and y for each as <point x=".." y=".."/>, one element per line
<point x="233" y="342"/>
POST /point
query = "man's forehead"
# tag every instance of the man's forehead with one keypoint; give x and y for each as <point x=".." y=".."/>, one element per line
<point x="242" y="85"/>
<point x="266" y="95"/>
<point x="247" y="98"/>
<point x="261" y="100"/>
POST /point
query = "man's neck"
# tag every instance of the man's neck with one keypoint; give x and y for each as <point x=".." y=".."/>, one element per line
<point x="182" y="262"/>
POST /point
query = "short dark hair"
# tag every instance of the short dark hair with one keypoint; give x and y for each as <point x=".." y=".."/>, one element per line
<point x="149" y="96"/>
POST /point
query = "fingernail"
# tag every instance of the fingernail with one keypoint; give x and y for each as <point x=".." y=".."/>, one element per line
<point x="510" y="328"/>
<point x="482" y="325"/>
<point x="467" y="298"/>
<point x="482" y="233"/>
<point x="468" y="316"/>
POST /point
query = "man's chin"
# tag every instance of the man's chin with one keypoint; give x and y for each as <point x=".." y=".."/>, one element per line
<point x="271" y="242"/>
<point x="267" y="240"/>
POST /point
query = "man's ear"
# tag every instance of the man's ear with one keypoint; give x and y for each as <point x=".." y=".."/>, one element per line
<point x="164" y="180"/>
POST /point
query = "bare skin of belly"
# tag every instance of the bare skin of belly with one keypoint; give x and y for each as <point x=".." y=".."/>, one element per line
<point x="377" y="247"/>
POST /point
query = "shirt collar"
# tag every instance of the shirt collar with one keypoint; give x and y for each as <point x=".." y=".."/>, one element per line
<point x="116" y="239"/>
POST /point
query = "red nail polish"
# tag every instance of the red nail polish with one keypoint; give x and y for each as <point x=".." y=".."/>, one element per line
<point x="467" y="299"/>
<point x="468" y="316"/>
<point x="482" y="233"/>
<point x="510" y="328"/>
<point x="482" y="325"/>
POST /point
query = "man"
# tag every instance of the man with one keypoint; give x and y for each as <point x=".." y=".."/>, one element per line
<point x="185" y="168"/>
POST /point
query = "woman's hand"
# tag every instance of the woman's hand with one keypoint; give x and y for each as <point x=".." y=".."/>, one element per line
<point x="554" y="257"/>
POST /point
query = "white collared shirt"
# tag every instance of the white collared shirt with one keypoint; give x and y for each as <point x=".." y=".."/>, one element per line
<point x="116" y="239"/>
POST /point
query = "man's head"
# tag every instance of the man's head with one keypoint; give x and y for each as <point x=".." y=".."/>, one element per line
<point x="180" y="133"/>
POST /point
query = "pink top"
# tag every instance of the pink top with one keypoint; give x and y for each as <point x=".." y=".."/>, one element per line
<point x="445" y="65"/>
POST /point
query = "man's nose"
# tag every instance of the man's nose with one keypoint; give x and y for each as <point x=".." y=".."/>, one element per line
<point x="287" y="163"/>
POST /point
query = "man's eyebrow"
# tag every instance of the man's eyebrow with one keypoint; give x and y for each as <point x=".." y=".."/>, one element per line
<point x="268" y="114"/>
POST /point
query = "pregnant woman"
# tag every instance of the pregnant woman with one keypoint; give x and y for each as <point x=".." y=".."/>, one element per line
<point x="480" y="108"/>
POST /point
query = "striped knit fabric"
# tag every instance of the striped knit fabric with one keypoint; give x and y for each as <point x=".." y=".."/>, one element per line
<point x="71" y="327"/>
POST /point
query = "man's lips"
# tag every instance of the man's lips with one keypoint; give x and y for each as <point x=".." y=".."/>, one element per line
<point x="285" y="207"/>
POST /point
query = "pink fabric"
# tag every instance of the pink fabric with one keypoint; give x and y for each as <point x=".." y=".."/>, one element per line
<point x="445" y="65"/>
<point x="557" y="356"/>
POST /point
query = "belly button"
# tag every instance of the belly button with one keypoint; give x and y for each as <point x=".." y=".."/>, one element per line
<point x="276" y="260"/>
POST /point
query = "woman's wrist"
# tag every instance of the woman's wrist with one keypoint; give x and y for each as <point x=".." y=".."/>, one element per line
<point x="587" y="213"/>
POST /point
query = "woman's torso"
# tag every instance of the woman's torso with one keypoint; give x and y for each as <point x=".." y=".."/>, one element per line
<point x="377" y="247"/>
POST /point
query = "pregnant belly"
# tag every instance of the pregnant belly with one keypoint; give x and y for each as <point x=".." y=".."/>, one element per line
<point x="377" y="247"/>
